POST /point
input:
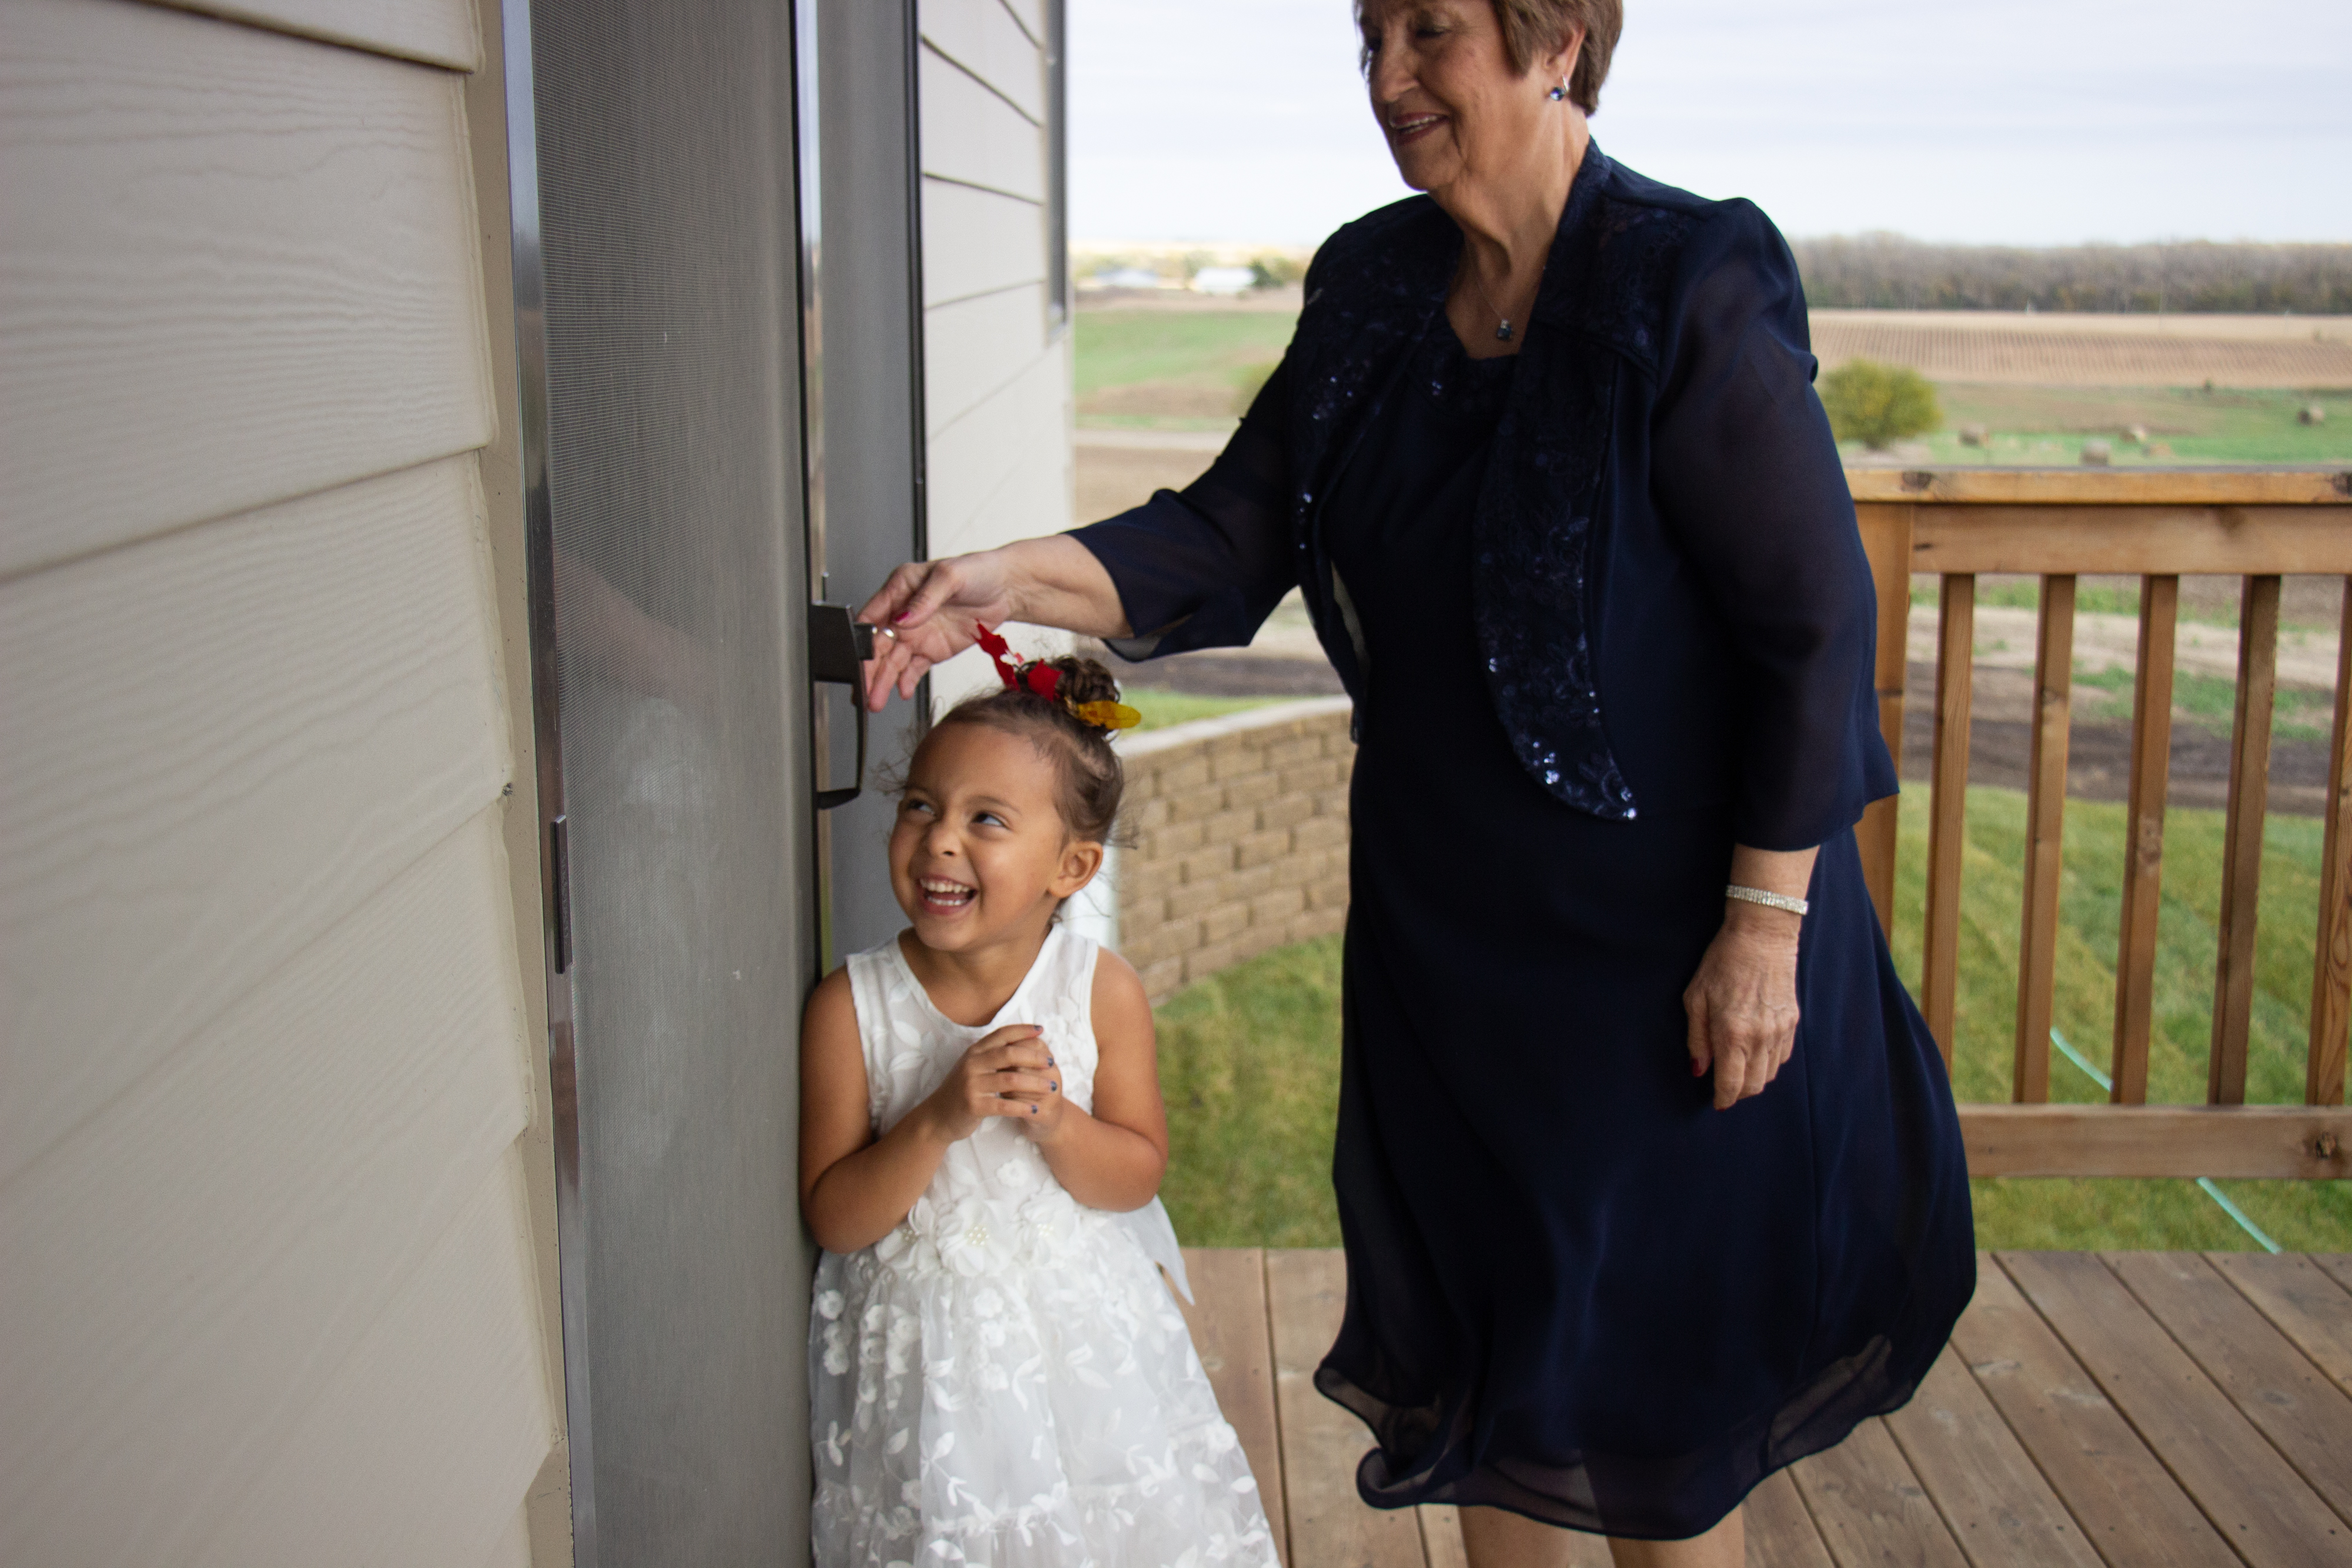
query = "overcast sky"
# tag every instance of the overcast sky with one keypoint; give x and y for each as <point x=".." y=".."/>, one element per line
<point x="2025" y="121"/>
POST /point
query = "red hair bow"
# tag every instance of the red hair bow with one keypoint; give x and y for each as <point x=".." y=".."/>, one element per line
<point x="1039" y="677"/>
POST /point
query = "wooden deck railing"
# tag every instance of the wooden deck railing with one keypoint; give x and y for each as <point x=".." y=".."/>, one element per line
<point x="2155" y="525"/>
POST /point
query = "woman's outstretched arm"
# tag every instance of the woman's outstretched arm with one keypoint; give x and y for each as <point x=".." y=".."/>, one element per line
<point x="927" y="610"/>
<point x="1200" y="568"/>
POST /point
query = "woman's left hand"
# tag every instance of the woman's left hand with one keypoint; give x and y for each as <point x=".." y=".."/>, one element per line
<point x="1742" y="1003"/>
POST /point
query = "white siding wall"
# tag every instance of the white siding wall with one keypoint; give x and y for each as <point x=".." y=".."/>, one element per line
<point x="997" y="376"/>
<point x="275" y="1280"/>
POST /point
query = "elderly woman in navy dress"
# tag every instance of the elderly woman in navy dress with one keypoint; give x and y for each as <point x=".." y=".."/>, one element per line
<point x="1648" y="1171"/>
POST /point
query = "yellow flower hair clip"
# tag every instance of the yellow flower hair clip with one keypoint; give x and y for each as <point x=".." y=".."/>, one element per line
<point x="1109" y="716"/>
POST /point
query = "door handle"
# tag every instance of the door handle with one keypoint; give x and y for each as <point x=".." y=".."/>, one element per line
<point x="837" y="647"/>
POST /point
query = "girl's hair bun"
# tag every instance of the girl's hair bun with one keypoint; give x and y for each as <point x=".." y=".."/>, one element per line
<point x="1084" y="681"/>
<point x="1082" y="687"/>
<point x="1073" y="727"/>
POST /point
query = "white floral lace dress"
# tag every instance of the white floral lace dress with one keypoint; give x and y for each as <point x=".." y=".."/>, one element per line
<point x="1005" y="1380"/>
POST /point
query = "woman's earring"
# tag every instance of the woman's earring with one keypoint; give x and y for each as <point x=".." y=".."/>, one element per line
<point x="1560" y="91"/>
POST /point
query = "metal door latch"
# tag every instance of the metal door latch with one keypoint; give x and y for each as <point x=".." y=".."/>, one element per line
<point x="837" y="647"/>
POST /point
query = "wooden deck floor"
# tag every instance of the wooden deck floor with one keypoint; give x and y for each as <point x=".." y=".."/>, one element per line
<point x="2134" y="1409"/>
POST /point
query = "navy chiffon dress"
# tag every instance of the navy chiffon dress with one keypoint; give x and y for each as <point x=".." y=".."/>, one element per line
<point x="1576" y="1290"/>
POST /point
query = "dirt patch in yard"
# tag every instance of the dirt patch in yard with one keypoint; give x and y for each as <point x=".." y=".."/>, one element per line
<point x="2098" y="755"/>
<point x="2001" y="736"/>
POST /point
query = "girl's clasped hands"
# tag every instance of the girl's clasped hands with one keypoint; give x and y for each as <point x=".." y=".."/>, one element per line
<point x="1008" y="1073"/>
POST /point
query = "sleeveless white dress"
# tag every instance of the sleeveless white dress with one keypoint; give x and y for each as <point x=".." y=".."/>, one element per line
<point x="1004" y="1380"/>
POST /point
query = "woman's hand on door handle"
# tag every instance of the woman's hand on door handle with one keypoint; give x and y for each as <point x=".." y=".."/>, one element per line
<point x="930" y="611"/>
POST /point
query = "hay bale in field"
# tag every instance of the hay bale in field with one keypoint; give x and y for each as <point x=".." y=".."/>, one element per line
<point x="2310" y="413"/>
<point x="2097" y="454"/>
<point x="2159" y="449"/>
<point x="1974" y="436"/>
<point x="2136" y="435"/>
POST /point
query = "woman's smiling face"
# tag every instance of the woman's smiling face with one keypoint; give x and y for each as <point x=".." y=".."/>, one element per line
<point x="1446" y="95"/>
<point x="978" y="851"/>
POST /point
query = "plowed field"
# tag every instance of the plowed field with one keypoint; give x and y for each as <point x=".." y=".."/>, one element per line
<point x="2003" y="348"/>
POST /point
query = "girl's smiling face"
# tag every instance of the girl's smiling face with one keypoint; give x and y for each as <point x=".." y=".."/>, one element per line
<point x="980" y="853"/>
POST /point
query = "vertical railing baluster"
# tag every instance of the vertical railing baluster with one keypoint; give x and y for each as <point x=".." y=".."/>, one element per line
<point x="2045" y="812"/>
<point x="1887" y="538"/>
<point x="2151" y="758"/>
<point x="2241" y="847"/>
<point x="2331" y="969"/>
<point x="1947" y="826"/>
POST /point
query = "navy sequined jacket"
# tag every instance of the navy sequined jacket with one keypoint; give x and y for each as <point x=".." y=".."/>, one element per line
<point x="1672" y="600"/>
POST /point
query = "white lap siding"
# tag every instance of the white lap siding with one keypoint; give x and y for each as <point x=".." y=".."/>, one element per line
<point x="996" y="358"/>
<point x="276" y="1288"/>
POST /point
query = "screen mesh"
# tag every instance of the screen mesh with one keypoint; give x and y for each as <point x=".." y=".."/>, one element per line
<point x="666" y="242"/>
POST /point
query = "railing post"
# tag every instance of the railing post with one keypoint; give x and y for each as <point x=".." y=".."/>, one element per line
<point x="2242" y="844"/>
<point x="1948" y="822"/>
<point x="2151" y="760"/>
<point x="1887" y="539"/>
<point x="2045" y="814"/>
<point x="2331" y="969"/>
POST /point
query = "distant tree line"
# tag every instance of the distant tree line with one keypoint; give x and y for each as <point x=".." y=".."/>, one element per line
<point x="1882" y="271"/>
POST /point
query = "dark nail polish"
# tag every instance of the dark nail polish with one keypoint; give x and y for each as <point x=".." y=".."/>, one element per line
<point x="1056" y="1088"/>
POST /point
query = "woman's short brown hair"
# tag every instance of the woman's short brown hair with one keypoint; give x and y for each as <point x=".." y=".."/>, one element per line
<point x="1531" y="27"/>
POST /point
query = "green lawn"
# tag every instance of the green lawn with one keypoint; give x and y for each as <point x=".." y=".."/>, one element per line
<point x="1201" y="359"/>
<point x="2104" y="697"/>
<point x="1249" y="1064"/>
<point x="1250" y="1057"/>
<point x="2093" y="598"/>
<point x="2040" y="426"/>
<point x="1117" y="348"/>
<point x="1162" y="709"/>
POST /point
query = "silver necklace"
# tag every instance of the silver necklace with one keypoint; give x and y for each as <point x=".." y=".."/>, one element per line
<point x="1502" y="332"/>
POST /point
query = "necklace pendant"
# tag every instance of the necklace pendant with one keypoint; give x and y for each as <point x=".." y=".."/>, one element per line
<point x="1504" y="331"/>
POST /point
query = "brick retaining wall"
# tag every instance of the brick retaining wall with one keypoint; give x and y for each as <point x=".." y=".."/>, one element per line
<point x="1237" y="838"/>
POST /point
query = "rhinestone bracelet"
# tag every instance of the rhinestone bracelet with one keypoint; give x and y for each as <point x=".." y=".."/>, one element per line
<point x="1796" y="906"/>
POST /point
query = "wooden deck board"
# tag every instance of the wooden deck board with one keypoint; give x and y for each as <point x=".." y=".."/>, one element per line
<point x="1441" y="1536"/>
<point x="2126" y="1503"/>
<point x="2139" y="1409"/>
<point x="2274" y="1385"/>
<point x="1780" y="1530"/>
<point x="1330" y="1527"/>
<point x="1233" y="1335"/>
<point x="1871" y="1508"/>
<point x="1991" y="1495"/>
<point x="2250" y="1494"/>
<point x="2301" y="1302"/>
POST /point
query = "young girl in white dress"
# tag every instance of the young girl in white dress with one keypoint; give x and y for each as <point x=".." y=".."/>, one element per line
<point x="999" y="1375"/>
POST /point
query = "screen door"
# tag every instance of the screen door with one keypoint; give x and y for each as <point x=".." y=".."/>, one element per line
<point x="653" y="150"/>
